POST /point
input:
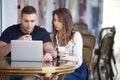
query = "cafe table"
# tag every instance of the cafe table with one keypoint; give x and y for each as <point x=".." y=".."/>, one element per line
<point x="55" y="69"/>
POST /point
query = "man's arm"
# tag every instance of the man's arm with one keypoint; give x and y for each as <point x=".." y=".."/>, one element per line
<point x="49" y="50"/>
<point x="4" y="48"/>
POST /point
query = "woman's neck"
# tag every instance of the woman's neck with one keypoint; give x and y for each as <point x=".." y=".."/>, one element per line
<point x="60" y="33"/>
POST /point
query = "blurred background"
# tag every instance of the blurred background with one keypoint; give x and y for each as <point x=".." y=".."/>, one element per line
<point x="95" y="13"/>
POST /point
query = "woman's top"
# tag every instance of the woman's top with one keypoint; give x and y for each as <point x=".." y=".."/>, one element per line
<point x="74" y="47"/>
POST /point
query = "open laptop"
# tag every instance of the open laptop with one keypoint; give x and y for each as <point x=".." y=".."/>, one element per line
<point x="23" y="50"/>
<point x="26" y="63"/>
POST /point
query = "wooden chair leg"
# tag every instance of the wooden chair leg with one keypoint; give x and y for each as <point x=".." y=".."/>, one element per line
<point x="92" y="70"/>
<point x="61" y="77"/>
<point x="98" y="68"/>
<point x="107" y="70"/>
<point x="98" y="72"/>
<point x="111" y="71"/>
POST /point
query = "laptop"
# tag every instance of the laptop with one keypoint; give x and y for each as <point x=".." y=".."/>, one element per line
<point x="24" y="50"/>
<point x="26" y="63"/>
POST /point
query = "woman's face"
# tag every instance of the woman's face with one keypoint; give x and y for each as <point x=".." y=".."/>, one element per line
<point x="57" y="23"/>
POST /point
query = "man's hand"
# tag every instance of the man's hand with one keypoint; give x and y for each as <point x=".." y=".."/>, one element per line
<point x="47" y="57"/>
<point x="25" y="37"/>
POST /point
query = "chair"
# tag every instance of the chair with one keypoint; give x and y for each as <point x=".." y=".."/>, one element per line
<point x="3" y="77"/>
<point x="88" y="49"/>
<point x="103" y="32"/>
<point x="105" y="55"/>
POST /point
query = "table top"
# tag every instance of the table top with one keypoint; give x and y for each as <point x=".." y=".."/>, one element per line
<point x="7" y="62"/>
<point x="34" y="68"/>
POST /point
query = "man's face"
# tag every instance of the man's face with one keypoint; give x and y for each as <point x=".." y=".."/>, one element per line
<point x="28" y="22"/>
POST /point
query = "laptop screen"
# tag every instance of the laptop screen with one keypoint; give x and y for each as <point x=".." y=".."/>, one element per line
<point x="24" y="50"/>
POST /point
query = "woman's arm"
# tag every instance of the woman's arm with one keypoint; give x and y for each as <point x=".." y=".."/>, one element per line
<point x="77" y="50"/>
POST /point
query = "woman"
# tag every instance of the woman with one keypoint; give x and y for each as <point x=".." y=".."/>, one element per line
<point x="64" y="35"/>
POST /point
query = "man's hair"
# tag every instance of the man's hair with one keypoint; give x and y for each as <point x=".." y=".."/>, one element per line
<point x="28" y="10"/>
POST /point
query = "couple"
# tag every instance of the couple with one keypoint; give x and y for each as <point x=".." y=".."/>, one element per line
<point x="63" y="35"/>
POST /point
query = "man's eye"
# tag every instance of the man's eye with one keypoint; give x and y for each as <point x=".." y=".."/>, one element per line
<point x="32" y="21"/>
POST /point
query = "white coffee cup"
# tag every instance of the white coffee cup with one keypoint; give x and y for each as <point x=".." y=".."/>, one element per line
<point x="61" y="50"/>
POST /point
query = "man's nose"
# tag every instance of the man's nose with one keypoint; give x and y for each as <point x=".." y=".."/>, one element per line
<point x="29" y="23"/>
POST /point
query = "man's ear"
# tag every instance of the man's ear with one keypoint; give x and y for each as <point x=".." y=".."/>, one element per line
<point x="19" y="19"/>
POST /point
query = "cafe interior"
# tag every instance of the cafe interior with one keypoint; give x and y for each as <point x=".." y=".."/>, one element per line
<point x="96" y="20"/>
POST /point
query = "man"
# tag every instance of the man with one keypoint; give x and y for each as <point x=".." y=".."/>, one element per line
<point x="27" y="30"/>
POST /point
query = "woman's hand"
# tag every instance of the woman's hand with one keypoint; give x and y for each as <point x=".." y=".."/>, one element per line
<point x="69" y="58"/>
<point x="65" y="57"/>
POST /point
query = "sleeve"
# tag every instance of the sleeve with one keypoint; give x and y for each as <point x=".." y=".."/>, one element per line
<point x="46" y="36"/>
<point x="78" y="46"/>
<point x="5" y="36"/>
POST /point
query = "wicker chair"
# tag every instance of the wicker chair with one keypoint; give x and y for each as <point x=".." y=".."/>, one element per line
<point x="105" y="55"/>
<point x="88" y="49"/>
<point x="103" y="32"/>
<point x="3" y="77"/>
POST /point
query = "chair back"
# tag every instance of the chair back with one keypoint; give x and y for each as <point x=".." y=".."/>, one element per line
<point x="89" y="40"/>
<point x="106" y="45"/>
<point x="104" y="31"/>
<point x="87" y="55"/>
<point x="81" y="27"/>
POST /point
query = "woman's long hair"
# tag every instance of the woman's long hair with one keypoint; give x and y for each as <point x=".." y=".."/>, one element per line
<point x="65" y="17"/>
